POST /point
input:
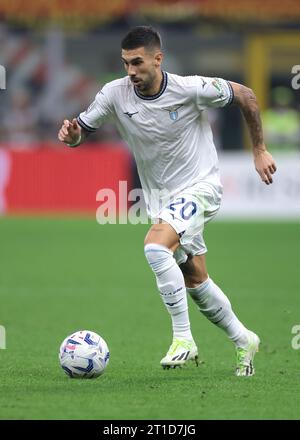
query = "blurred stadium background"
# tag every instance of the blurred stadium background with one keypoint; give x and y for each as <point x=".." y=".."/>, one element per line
<point x="56" y="60"/>
<point x="56" y="55"/>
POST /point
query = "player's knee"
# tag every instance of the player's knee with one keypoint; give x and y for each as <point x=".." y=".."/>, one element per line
<point x="193" y="275"/>
<point x="159" y="257"/>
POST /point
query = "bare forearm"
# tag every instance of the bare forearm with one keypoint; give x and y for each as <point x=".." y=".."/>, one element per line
<point x="247" y="102"/>
<point x="252" y="117"/>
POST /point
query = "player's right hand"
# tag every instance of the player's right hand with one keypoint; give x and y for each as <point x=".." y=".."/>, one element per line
<point x="70" y="132"/>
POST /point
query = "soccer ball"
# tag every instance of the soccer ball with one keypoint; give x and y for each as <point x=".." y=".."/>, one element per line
<point x="84" y="354"/>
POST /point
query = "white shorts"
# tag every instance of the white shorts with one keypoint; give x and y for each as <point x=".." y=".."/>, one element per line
<point x="187" y="214"/>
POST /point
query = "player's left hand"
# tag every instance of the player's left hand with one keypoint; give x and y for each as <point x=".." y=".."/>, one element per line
<point x="264" y="165"/>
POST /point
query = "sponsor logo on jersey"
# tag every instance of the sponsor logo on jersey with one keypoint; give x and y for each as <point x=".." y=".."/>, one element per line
<point x="130" y="114"/>
<point x="203" y="83"/>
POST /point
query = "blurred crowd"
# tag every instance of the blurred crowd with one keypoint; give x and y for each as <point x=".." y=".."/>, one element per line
<point x="51" y="77"/>
<point x="42" y="89"/>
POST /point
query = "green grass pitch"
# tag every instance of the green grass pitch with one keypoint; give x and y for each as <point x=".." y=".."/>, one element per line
<point x="62" y="275"/>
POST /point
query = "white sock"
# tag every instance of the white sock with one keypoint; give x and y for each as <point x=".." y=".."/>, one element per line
<point x="170" y="283"/>
<point x="215" y="305"/>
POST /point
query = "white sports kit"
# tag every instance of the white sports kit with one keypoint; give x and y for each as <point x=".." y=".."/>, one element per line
<point x="172" y="143"/>
<point x="177" y="162"/>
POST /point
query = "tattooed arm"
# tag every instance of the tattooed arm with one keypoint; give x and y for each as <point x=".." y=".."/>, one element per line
<point x="246" y="100"/>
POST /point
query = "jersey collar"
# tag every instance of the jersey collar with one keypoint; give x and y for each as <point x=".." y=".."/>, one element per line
<point x="163" y="87"/>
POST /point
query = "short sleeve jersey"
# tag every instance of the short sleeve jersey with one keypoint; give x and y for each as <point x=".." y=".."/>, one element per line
<point x="168" y="133"/>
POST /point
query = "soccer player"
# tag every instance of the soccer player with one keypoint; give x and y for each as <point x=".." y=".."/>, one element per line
<point x="162" y="118"/>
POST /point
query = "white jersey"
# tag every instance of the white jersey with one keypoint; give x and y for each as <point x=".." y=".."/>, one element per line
<point x="168" y="133"/>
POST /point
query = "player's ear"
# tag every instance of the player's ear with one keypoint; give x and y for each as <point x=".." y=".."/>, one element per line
<point x="158" y="58"/>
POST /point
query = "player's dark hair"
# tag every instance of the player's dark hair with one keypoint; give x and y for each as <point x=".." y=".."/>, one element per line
<point x="142" y="36"/>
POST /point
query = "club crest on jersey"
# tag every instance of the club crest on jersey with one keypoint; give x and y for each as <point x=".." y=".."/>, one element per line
<point x="173" y="111"/>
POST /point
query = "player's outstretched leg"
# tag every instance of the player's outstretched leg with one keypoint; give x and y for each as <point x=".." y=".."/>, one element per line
<point x="215" y="305"/>
<point x="170" y="283"/>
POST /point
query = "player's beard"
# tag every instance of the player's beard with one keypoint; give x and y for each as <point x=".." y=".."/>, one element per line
<point x="145" y="85"/>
